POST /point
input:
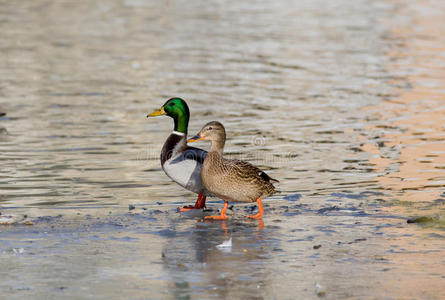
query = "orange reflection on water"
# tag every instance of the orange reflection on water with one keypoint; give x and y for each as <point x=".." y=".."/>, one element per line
<point x="411" y="159"/>
<point x="408" y="149"/>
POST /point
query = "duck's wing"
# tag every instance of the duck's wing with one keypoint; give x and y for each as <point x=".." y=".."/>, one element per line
<point x="249" y="170"/>
<point x="267" y="177"/>
<point x="196" y="154"/>
<point x="185" y="169"/>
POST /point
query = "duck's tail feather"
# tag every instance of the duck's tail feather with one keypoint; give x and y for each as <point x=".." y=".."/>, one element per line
<point x="267" y="177"/>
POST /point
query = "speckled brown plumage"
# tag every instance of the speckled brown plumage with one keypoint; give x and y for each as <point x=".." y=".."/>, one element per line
<point x="234" y="180"/>
<point x="231" y="179"/>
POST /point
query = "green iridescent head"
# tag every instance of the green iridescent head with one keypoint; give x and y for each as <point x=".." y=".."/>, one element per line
<point x="177" y="109"/>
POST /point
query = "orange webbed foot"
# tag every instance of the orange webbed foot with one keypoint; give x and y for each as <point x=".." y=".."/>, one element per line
<point x="260" y="213"/>
<point x="256" y="216"/>
<point x="222" y="216"/>
<point x="200" y="204"/>
<point x="186" y="208"/>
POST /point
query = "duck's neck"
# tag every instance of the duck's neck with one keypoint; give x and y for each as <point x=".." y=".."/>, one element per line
<point x="217" y="147"/>
<point x="175" y="143"/>
<point x="181" y="123"/>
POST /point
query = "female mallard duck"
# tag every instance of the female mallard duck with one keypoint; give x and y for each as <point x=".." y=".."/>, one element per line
<point x="180" y="162"/>
<point x="231" y="179"/>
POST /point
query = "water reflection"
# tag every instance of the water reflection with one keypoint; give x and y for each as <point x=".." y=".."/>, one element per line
<point x="223" y="259"/>
<point x="409" y="152"/>
<point x="289" y="80"/>
<point x="79" y="77"/>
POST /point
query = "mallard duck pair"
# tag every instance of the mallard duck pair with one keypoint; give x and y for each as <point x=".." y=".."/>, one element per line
<point x="209" y="173"/>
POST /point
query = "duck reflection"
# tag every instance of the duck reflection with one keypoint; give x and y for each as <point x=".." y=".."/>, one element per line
<point x="218" y="259"/>
<point x="2" y="129"/>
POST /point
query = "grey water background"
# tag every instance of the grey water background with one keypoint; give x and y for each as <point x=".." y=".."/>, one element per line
<point x="342" y="101"/>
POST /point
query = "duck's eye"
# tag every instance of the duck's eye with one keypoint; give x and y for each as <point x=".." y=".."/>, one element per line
<point x="172" y="103"/>
<point x="210" y="128"/>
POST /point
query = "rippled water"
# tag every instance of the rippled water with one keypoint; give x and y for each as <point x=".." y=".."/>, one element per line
<point x="341" y="101"/>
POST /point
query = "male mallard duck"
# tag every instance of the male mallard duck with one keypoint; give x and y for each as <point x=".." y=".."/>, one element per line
<point x="180" y="162"/>
<point x="231" y="179"/>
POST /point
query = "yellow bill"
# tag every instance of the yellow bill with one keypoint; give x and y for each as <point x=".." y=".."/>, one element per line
<point x="159" y="112"/>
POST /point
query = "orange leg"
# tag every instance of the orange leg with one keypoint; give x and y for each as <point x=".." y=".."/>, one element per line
<point x="224" y="227"/>
<point x="222" y="216"/>
<point x="259" y="215"/>
<point x="200" y="204"/>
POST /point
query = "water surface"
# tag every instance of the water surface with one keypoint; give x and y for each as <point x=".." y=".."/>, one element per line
<point x="342" y="102"/>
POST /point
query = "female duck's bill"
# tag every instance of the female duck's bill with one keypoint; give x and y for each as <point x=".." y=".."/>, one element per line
<point x="195" y="138"/>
